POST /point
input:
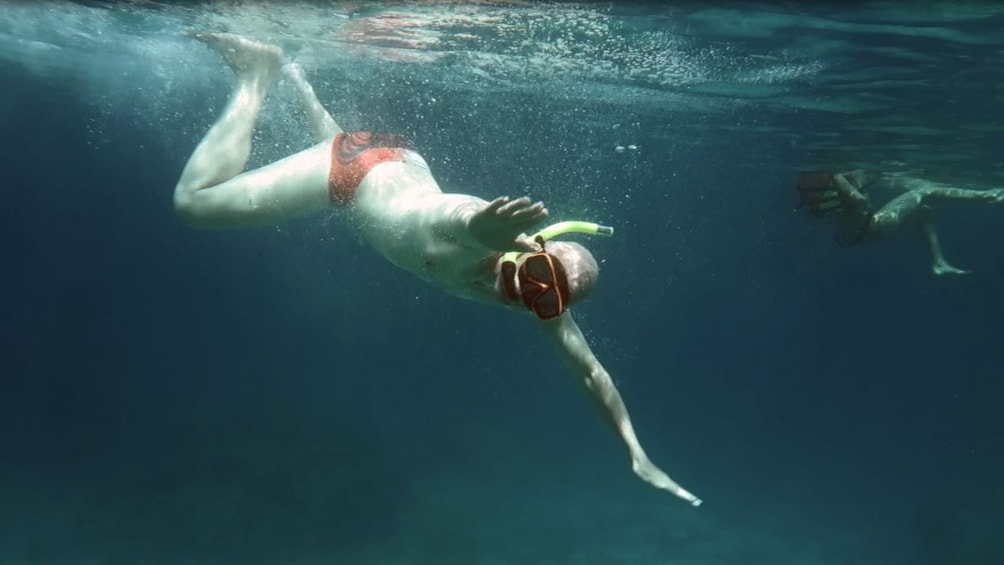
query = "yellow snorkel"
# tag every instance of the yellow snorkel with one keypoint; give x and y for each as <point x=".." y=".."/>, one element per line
<point x="561" y="228"/>
<point x="573" y="226"/>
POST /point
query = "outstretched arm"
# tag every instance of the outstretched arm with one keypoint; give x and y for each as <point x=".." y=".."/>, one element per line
<point x="576" y="353"/>
<point x="497" y="225"/>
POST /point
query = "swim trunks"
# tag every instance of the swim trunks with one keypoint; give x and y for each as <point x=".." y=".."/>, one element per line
<point x="354" y="154"/>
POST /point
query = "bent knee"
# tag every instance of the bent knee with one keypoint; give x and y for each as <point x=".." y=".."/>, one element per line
<point x="185" y="208"/>
<point x="194" y="213"/>
<point x="209" y="209"/>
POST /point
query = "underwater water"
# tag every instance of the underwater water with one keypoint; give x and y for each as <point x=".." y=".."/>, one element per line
<point x="285" y="396"/>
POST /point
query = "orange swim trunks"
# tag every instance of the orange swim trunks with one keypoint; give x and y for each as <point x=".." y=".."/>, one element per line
<point x="355" y="154"/>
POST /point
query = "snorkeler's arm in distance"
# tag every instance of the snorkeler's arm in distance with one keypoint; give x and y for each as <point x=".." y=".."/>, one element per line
<point x="850" y="193"/>
<point x="499" y="224"/>
<point x="575" y="351"/>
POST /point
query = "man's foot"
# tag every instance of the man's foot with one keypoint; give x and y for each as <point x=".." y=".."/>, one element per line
<point x="247" y="58"/>
<point x="943" y="268"/>
<point x="654" y="476"/>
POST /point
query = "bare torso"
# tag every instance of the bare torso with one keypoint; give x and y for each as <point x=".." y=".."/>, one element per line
<point x="400" y="211"/>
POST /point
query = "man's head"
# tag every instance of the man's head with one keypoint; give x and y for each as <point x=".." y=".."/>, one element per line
<point x="548" y="282"/>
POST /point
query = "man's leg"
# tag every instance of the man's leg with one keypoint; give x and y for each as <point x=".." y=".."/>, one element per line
<point x="212" y="191"/>
<point x="905" y="208"/>
<point x="322" y="126"/>
<point x="910" y="208"/>
<point x="939" y="265"/>
<point x="932" y="191"/>
<point x="936" y="192"/>
<point x="913" y="205"/>
<point x="224" y="151"/>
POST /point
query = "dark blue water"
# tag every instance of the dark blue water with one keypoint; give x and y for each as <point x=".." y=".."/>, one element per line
<point x="284" y="396"/>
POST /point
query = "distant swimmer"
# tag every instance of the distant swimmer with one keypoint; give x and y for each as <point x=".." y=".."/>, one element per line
<point x="844" y="197"/>
<point x="488" y="251"/>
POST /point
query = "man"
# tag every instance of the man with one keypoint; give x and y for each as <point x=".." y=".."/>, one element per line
<point x="462" y="244"/>
<point x="842" y="196"/>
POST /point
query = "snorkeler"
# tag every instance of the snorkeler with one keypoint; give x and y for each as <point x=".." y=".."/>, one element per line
<point x="842" y="196"/>
<point x="462" y="244"/>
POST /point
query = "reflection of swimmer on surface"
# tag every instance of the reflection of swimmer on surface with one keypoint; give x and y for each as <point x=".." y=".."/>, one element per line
<point x="462" y="244"/>
<point x="842" y="196"/>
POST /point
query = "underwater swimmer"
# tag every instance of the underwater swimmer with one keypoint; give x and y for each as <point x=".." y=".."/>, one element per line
<point x="462" y="244"/>
<point x="842" y="196"/>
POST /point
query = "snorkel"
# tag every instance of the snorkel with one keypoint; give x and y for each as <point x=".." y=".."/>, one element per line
<point x="561" y="228"/>
<point x="543" y="282"/>
<point x="573" y="226"/>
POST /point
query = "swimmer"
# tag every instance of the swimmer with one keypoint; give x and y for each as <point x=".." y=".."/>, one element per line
<point x="486" y="251"/>
<point x="843" y="196"/>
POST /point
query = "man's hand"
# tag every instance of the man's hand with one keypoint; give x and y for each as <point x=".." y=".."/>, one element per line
<point x="499" y="225"/>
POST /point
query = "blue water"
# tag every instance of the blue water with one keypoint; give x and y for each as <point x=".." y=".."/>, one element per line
<point x="283" y="396"/>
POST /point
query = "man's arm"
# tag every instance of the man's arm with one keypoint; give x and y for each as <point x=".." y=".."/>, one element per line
<point x="497" y="225"/>
<point x="574" y="350"/>
<point x="847" y="185"/>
